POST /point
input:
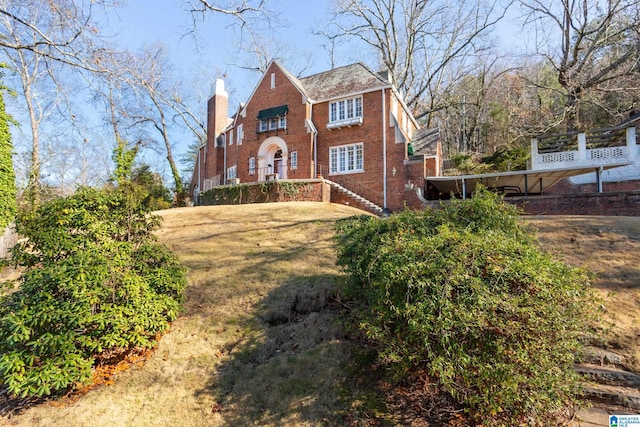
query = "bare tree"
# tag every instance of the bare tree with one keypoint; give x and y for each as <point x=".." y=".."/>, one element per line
<point x="426" y="45"/>
<point x="157" y="104"/>
<point x="64" y="31"/>
<point x="42" y="40"/>
<point x="591" y="44"/>
<point x="256" y="51"/>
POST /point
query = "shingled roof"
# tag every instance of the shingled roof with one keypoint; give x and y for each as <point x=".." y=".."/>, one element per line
<point x="425" y="141"/>
<point x="342" y="81"/>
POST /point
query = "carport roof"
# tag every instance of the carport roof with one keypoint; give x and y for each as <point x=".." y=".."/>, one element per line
<point x="522" y="182"/>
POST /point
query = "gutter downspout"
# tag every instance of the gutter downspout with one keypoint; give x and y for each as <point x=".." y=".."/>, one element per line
<point x="224" y="172"/>
<point x="384" y="151"/>
<point x="196" y="196"/>
<point x="315" y="141"/>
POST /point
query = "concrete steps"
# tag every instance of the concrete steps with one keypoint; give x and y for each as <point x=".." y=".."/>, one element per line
<point x="367" y="204"/>
<point x="607" y="382"/>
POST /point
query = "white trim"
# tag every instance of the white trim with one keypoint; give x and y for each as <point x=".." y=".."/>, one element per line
<point x="240" y="133"/>
<point x="351" y="95"/>
<point x="252" y="165"/>
<point x="384" y="151"/>
<point x="345" y="123"/>
<point x="342" y="154"/>
<point x="266" y="153"/>
<point x="232" y="172"/>
<point x="344" y="112"/>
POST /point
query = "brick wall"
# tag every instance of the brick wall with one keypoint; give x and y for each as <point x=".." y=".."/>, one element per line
<point x="375" y="129"/>
<point x="608" y="204"/>
<point x="566" y="187"/>
<point x="273" y="191"/>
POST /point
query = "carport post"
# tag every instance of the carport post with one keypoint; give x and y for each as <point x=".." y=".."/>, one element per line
<point x="599" y="179"/>
<point x="526" y="184"/>
<point x="464" y="189"/>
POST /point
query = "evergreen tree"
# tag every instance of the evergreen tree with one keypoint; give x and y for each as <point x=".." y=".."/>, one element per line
<point x="7" y="175"/>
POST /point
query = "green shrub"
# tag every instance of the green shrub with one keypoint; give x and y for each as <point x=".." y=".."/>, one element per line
<point x="96" y="284"/>
<point x="466" y="292"/>
<point x="7" y="175"/>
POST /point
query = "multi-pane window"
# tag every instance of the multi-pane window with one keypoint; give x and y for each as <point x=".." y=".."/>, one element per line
<point x="252" y="165"/>
<point x="346" y="158"/>
<point x="232" y="172"/>
<point x="294" y="160"/>
<point x="273" y="123"/>
<point x="345" y="109"/>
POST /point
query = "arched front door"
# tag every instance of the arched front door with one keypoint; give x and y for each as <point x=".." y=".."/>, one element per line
<point x="272" y="159"/>
<point x="277" y="164"/>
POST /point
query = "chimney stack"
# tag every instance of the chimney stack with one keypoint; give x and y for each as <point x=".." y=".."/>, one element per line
<point x="217" y="112"/>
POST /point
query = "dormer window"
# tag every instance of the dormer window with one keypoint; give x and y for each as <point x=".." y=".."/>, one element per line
<point x="345" y="112"/>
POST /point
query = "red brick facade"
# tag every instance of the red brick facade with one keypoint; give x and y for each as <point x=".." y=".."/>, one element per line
<point x="383" y="129"/>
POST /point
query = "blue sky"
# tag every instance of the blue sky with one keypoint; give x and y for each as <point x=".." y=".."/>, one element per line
<point x="147" y="21"/>
<point x="144" y="22"/>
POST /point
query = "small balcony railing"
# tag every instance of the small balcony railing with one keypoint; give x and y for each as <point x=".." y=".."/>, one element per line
<point x="598" y="147"/>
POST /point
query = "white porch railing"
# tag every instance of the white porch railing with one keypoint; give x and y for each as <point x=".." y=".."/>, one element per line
<point x="595" y="148"/>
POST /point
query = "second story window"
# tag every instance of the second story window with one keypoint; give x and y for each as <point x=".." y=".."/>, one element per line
<point x="240" y="134"/>
<point x="273" y="118"/>
<point x="345" y="112"/>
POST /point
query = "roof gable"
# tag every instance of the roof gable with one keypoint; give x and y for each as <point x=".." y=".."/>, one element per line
<point x="270" y="69"/>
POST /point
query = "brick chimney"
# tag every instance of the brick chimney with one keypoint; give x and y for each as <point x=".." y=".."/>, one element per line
<point x="217" y="112"/>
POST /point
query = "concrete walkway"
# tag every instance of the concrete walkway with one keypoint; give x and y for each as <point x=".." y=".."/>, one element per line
<point x="599" y="417"/>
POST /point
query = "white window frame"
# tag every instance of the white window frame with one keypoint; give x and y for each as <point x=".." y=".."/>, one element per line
<point x="232" y="172"/>
<point x="345" y="159"/>
<point x="282" y="122"/>
<point x="252" y="165"/>
<point x="240" y="134"/>
<point x="345" y="112"/>
<point x="231" y="137"/>
<point x="263" y="126"/>
<point x="273" y="80"/>
<point x="273" y="123"/>
<point x="294" y="160"/>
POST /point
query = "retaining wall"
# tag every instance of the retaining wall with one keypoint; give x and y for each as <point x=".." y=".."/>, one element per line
<point x="609" y="204"/>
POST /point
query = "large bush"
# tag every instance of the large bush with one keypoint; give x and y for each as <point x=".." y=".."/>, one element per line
<point x="466" y="293"/>
<point x="96" y="284"/>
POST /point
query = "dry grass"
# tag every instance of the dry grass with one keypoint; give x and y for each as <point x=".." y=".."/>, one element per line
<point x="609" y="247"/>
<point x="257" y="343"/>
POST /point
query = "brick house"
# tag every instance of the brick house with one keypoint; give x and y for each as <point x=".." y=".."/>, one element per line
<point x="349" y="125"/>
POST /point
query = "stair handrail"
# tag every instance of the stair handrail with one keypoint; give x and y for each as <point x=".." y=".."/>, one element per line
<point x="349" y="183"/>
